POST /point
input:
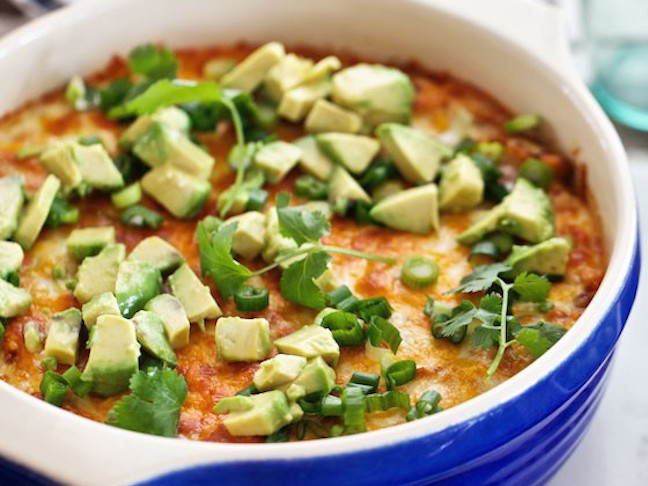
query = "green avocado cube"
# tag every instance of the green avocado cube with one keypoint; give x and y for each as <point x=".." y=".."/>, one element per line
<point x="11" y="258"/>
<point x="549" y="257"/>
<point x="287" y="73"/>
<point x="182" y="194"/>
<point x="276" y="159"/>
<point x="59" y="160"/>
<point x="151" y="334"/>
<point x="170" y="116"/>
<point x="313" y="160"/>
<point x="114" y="355"/>
<point x="62" y="341"/>
<point x="316" y="376"/>
<point x="344" y="188"/>
<point x="249" y="237"/>
<point x="174" y="318"/>
<point x="86" y="242"/>
<point x="462" y="185"/>
<point x="14" y="301"/>
<point x="325" y="116"/>
<point x="195" y="297"/>
<point x="239" y="339"/>
<point x="278" y="371"/>
<point x="11" y="202"/>
<point x="249" y="73"/>
<point x="98" y="274"/>
<point x="297" y="102"/>
<point x="260" y="414"/>
<point x="414" y="210"/>
<point x="158" y="253"/>
<point x="310" y="342"/>
<point x="32" y="337"/>
<point x="36" y="213"/>
<point x="136" y="284"/>
<point x="99" y="305"/>
<point x="97" y="168"/>
<point x="355" y="152"/>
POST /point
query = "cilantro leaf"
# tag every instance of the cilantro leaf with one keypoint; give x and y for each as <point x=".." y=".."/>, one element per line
<point x="491" y="303"/>
<point x="154" y="405"/>
<point x="538" y="338"/>
<point x="485" y="338"/>
<point x="301" y="225"/>
<point x="461" y="316"/>
<point x="531" y="287"/>
<point x="297" y="282"/>
<point x="216" y="259"/>
<point x="482" y="278"/>
<point x="153" y="62"/>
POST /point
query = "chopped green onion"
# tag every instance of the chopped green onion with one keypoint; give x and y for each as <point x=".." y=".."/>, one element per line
<point x="465" y="145"/>
<point x="348" y="304"/>
<point x="90" y="140"/>
<point x="13" y="278"/>
<point x="73" y="378"/>
<point x="248" y="390"/>
<point x="311" y="188"/>
<point x="280" y="435"/>
<point x="484" y="248"/>
<point x="256" y="199"/>
<point x="249" y="299"/>
<point x="538" y="172"/>
<point x="522" y="123"/>
<point x="384" y="401"/>
<point x="427" y="404"/>
<point x="141" y="217"/>
<point x="204" y="116"/>
<point x="2" y="330"/>
<point x="361" y="213"/>
<point x="58" y="272"/>
<point x="311" y="404"/>
<point x="338" y="295"/>
<point x="419" y="272"/>
<point x="336" y="430"/>
<point x="397" y="373"/>
<point x="49" y="363"/>
<point x="71" y="283"/>
<point x="129" y="166"/>
<point x="345" y="327"/>
<point x="367" y="382"/>
<point x="61" y="213"/>
<point x="503" y="242"/>
<point x="128" y="196"/>
<point x="54" y="388"/>
<point x="380" y="171"/>
<point x="381" y="330"/>
<point x="304" y="426"/>
<point x="490" y="150"/>
<point x="377" y="306"/>
<point x="353" y="403"/>
<point x="331" y="406"/>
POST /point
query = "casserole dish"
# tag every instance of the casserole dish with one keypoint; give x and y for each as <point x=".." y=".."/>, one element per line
<point x="519" y="432"/>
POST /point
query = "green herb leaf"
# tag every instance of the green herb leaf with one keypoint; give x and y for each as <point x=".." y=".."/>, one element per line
<point x="297" y="282"/>
<point x="538" y="338"/>
<point x="481" y="279"/>
<point x="301" y="225"/>
<point x="461" y="316"/>
<point x="154" y="405"/>
<point x="531" y="287"/>
<point x="153" y="62"/>
<point x="484" y="337"/>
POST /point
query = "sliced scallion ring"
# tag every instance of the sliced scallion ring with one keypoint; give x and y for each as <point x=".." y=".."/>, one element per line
<point x="251" y="299"/>
<point x="419" y="272"/>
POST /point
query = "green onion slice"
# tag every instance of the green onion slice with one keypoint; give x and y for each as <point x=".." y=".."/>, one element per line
<point x="367" y="382"/>
<point x="331" y="406"/>
<point x="311" y="188"/>
<point x="141" y="217"/>
<point x="249" y="299"/>
<point x="522" y="123"/>
<point x="73" y="378"/>
<point x="338" y="295"/>
<point x="419" y="272"/>
<point x="379" y="402"/>
<point x="256" y="199"/>
<point x="54" y="388"/>
<point x="353" y="404"/>
<point x="345" y="327"/>
<point x="381" y="330"/>
<point x="377" y="306"/>
<point x="537" y="172"/>
<point x="399" y="373"/>
<point x="427" y="404"/>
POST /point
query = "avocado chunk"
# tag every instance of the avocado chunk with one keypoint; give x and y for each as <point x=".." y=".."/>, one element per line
<point x="59" y="160"/>
<point x="137" y="283"/>
<point x="310" y="342"/>
<point x="114" y="354"/>
<point x="286" y="74"/>
<point x="98" y="274"/>
<point x="11" y="258"/>
<point x="14" y="301"/>
<point x="97" y="168"/>
<point x="249" y="73"/>
<point x="260" y="414"/>
<point x="174" y="318"/>
<point x="414" y="210"/>
<point x="297" y="102"/>
<point x="355" y="152"/>
<point x="158" y="253"/>
<point x="249" y="236"/>
<point x="183" y="195"/>
<point x="386" y="189"/>
<point x="316" y="376"/>
<point x="312" y="159"/>
<point x="86" y="242"/>
<point x="325" y="116"/>
<point x="150" y="333"/>
<point x="11" y="202"/>
<point x="277" y="159"/>
<point x="239" y="339"/>
<point x="32" y="337"/>
<point x="462" y="185"/>
<point x="36" y="213"/>
<point x="416" y="154"/>
<point x="170" y="116"/>
<point x="99" y="305"/>
<point x="278" y="371"/>
<point x="195" y="297"/>
<point x="62" y="340"/>
<point x="344" y="188"/>
<point x="549" y="257"/>
<point x="526" y="213"/>
<point x="162" y="144"/>
<point x="275" y="242"/>
<point x="379" y="93"/>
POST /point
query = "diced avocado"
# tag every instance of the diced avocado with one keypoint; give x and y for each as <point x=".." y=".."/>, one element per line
<point x="275" y="242"/>
<point x="296" y="411"/>
<point x="414" y="210"/>
<point x="249" y="237"/>
<point x="137" y="283"/>
<point x="11" y="202"/>
<point x="170" y="116"/>
<point x="286" y="74"/>
<point x="343" y="187"/>
<point x="262" y="414"/>
<point x="239" y="339"/>
<point x="278" y="371"/>
<point x="217" y="68"/>
<point x="183" y="195"/>
<point x="174" y="318"/>
<point x="158" y="253"/>
<point x="297" y="102"/>
<point x="99" y="305"/>
<point x="318" y="207"/>
<point x="355" y="152"/>
<point x="386" y="189"/>
<point x="249" y="73"/>
<point x="59" y="160"/>
<point x="312" y="159"/>
<point x="462" y="185"/>
<point x="98" y="274"/>
<point x="323" y="68"/>
<point x="164" y="145"/>
<point x="32" y="337"/>
<point x="316" y="376"/>
<point x="36" y="213"/>
<point x="416" y="154"/>
<point x="325" y="116"/>
<point x="328" y="281"/>
<point x="97" y="168"/>
<point x="150" y="333"/>
<point x="114" y="354"/>
<point x="379" y="93"/>
<point x="62" y="340"/>
<point x="526" y="213"/>
<point x="14" y="301"/>
<point x="310" y="342"/>
<point x="128" y="196"/>
<point x="277" y="159"/>
<point x="549" y="257"/>
<point x="86" y="242"/>
<point x="11" y="257"/>
<point x="195" y="297"/>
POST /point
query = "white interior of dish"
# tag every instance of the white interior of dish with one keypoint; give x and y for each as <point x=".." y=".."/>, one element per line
<point x="46" y="53"/>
